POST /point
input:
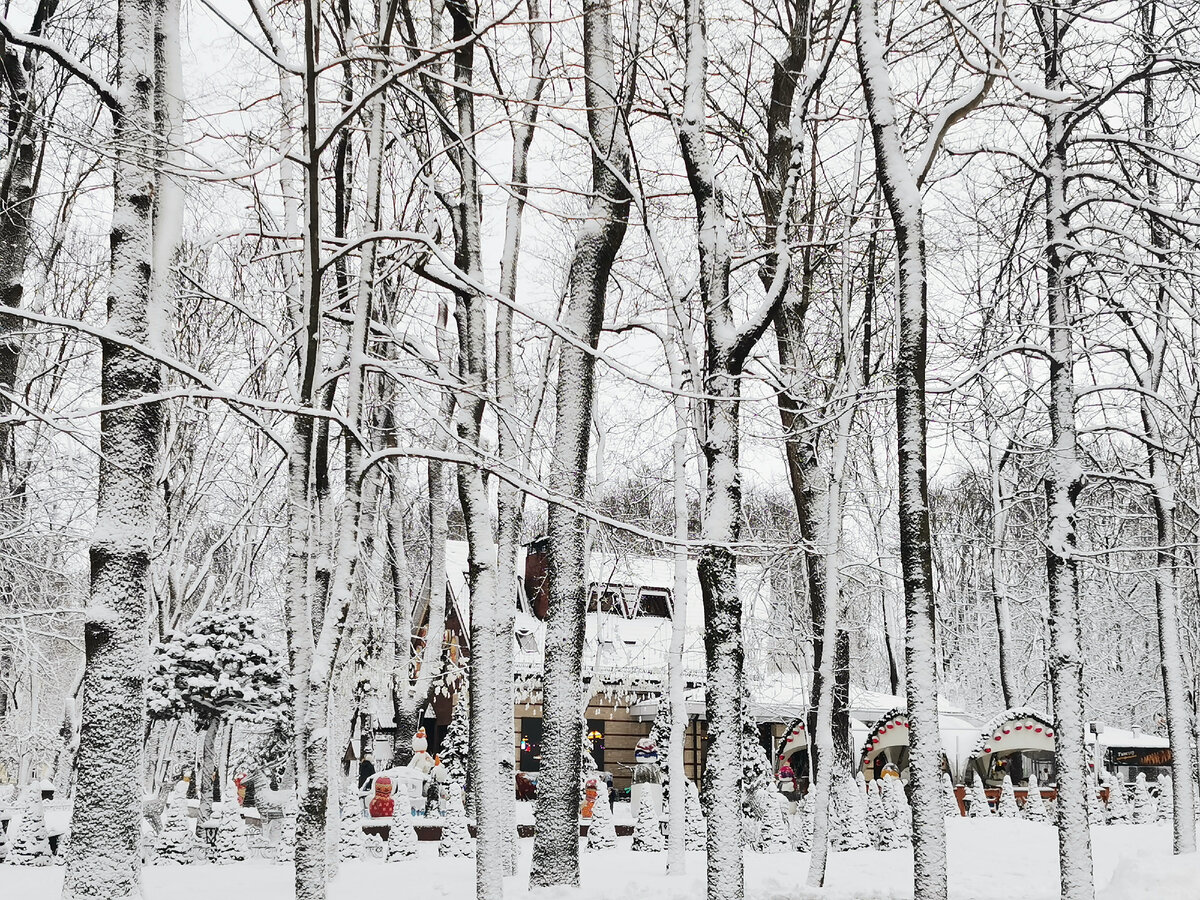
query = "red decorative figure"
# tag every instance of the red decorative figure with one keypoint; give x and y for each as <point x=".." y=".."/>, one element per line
<point x="382" y="804"/>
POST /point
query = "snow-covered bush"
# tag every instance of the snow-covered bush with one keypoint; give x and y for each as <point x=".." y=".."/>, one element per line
<point x="647" y="832"/>
<point x="456" y="835"/>
<point x="773" y="836"/>
<point x="1035" y="808"/>
<point x="1118" y="806"/>
<point x="230" y="845"/>
<point x="402" y="837"/>
<point x="31" y="846"/>
<point x="695" y="834"/>
<point x="1007" y="806"/>
<point x="175" y="843"/>
<point x="1166" y="799"/>
<point x="979" y="808"/>
<point x="285" y="850"/>
<point x="949" y="797"/>
<point x="602" y="833"/>
<point x="849" y="830"/>
<point x="352" y="842"/>
<point x="875" y="812"/>
<point x="1144" y="808"/>
<point x="1097" y="815"/>
<point x="896" y="828"/>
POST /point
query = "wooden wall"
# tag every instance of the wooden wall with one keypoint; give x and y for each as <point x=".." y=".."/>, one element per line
<point x="621" y="734"/>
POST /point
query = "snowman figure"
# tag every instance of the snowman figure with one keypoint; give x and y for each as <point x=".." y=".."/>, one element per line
<point x="421" y="760"/>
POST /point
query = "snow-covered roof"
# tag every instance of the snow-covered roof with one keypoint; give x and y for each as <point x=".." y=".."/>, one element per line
<point x="617" y="648"/>
<point x="1123" y="738"/>
<point x="1020" y="728"/>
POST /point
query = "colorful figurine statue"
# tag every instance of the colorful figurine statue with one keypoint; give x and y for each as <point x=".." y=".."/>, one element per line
<point x="421" y="760"/>
<point x="382" y="805"/>
<point x="589" y="798"/>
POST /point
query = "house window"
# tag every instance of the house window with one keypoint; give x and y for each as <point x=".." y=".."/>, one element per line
<point x="606" y="598"/>
<point x="654" y="602"/>
<point x="531" y="744"/>
<point x="527" y="642"/>
<point x="595" y="739"/>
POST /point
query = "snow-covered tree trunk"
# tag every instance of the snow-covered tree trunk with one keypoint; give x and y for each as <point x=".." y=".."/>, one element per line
<point x="512" y="450"/>
<point x="1064" y="480"/>
<point x="16" y="211"/>
<point x="556" y="844"/>
<point x="104" y="859"/>
<point x="490" y="697"/>
<point x="903" y="197"/>
<point x="1162" y="486"/>
<point x="208" y="762"/>
<point x="726" y="349"/>
<point x="832" y="760"/>
<point x="1000" y="605"/>
<point x="676" y="697"/>
<point x="717" y="565"/>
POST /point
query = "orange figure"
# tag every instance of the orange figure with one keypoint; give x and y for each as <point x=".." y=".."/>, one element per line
<point x="589" y="797"/>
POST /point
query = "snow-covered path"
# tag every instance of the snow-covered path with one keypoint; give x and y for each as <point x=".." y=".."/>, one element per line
<point x="990" y="859"/>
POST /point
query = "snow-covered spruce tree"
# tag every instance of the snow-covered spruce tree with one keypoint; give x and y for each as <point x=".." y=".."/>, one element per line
<point x="60" y="852"/>
<point x="800" y="824"/>
<point x="602" y="832"/>
<point x="220" y="669"/>
<point x="979" y="808"/>
<point x="647" y="831"/>
<point x="31" y="846"/>
<point x="230" y="846"/>
<point x="875" y="812"/>
<point x="285" y="851"/>
<point x="952" y="810"/>
<point x="898" y="813"/>
<point x="456" y="745"/>
<point x="556" y="843"/>
<point x="1097" y="814"/>
<point x="1034" y="809"/>
<point x="773" y="834"/>
<point x="1118" y="806"/>
<point x="402" y="837"/>
<point x="1007" y="807"/>
<point x="889" y="836"/>
<point x="456" y="833"/>
<point x="850" y="815"/>
<point x="1166" y="798"/>
<point x="1145" y="810"/>
<point x="351" y="840"/>
<point x="695" y="828"/>
<point x="175" y="842"/>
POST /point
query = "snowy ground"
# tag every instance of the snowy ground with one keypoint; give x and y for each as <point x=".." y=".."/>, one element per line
<point x="991" y="859"/>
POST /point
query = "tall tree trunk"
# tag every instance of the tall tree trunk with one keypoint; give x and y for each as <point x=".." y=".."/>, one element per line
<point x="1000" y="606"/>
<point x="208" y="762"/>
<point x="1064" y="480"/>
<point x="1162" y="486"/>
<point x="510" y="501"/>
<point x="104" y="860"/>
<point x="903" y="197"/>
<point x="16" y="211"/>
<point x="676" y="774"/>
<point x="556" y="844"/>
